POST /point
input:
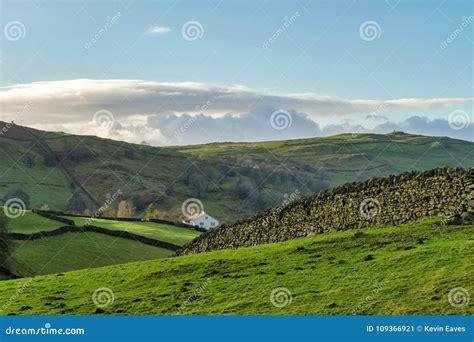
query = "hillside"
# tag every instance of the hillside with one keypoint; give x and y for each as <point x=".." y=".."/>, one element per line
<point x="233" y="180"/>
<point x="405" y="270"/>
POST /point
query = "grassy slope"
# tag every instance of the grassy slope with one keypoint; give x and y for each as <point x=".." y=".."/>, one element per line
<point x="30" y="222"/>
<point x="78" y="251"/>
<point x="159" y="231"/>
<point x="43" y="184"/>
<point x="159" y="174"/>
<point x="324" y="273"/>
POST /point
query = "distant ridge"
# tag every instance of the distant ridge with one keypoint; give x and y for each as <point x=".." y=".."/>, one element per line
<point x="233" y="180"/>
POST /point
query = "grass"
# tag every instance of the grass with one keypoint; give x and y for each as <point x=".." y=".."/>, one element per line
<point x="103" y="165"/>
<point x="43" y="184"/>
<point x="163" y="232"/>
<point x="412" y="270"/>
<point x="78" y="251"/>
<point x="29" y="222"/>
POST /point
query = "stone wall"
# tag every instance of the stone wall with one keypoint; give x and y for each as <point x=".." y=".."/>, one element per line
<point x="391" y="201"/>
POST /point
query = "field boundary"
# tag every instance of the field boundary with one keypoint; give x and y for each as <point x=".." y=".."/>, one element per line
<point x="58" y="216"/>
<point x="93" y="229"/>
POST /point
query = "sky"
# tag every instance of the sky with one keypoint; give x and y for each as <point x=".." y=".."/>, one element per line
<point x="188" y="72"/>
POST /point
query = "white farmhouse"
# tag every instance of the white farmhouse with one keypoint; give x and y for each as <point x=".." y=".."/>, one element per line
<point x="203" y="220"/>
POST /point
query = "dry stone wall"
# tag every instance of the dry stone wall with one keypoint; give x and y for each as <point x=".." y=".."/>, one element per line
<point x="390" y="201"/>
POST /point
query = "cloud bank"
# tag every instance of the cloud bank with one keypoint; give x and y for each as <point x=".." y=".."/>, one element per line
<point x="189" y="112"/>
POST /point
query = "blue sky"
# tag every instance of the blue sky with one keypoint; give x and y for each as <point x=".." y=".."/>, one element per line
<point x="320" y="51"/>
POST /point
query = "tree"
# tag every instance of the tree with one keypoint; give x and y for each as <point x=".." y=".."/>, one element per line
<point x="241" y="189"/>
<point x="18" y="194"/>
<point x="196" y="184"/>
<point x="29" y="161"/>
<point x="49" y="159"/>
<point x="125" y="209"/>
<point x="151" y="212"/>
<point x="77" y="203"/>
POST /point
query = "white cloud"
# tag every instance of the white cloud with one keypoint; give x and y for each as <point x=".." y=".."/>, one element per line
<point x="77" y="100"/>
<point x="158" y="30"/>
<point x="70" y="105"/>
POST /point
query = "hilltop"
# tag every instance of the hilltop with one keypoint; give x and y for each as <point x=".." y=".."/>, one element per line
<point x="233" y="180"/>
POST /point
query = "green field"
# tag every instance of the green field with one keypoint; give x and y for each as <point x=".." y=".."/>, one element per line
<point x="163" y="232"/>
<point x="43" y="184"/>
<point x="78" y="251"/>
<point x="29" y="222"/>
<point x="410" y="271"/>
<point x="232" y="180"/>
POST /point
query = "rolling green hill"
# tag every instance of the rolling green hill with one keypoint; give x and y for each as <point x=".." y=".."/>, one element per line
<point x="233" y="180"/>
<point x="402" y="270"/>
